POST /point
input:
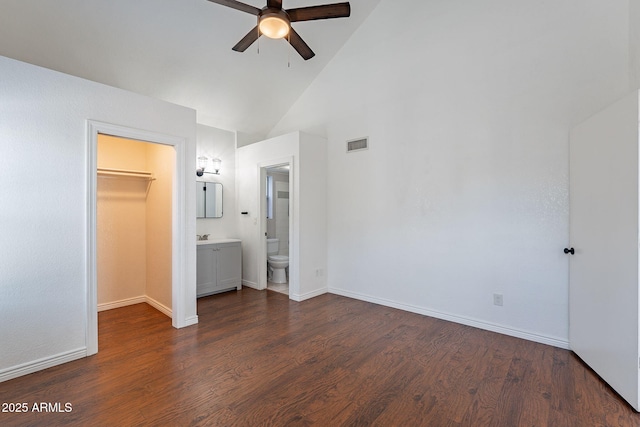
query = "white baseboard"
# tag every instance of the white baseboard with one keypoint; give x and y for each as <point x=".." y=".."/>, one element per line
<point x="121" y="303"/>
<point x="40" y="364"/>
<point x="249" y="284"/>
<point x="160" y="307"/>
<point x="488" y="326"/>
<point x="308" y="295"/>
<point x="192" y="320"/>
<point x="136" y="300"/>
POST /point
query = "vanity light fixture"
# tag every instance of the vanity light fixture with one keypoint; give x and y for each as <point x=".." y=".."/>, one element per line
<point x="216" y="163"/>
<point x="202" y="165"/>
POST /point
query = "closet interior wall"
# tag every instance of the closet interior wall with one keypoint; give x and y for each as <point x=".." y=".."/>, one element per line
<point x="134" y="224"/>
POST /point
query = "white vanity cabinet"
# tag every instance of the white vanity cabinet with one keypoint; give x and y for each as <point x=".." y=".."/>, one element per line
<point x="219" y="266"/>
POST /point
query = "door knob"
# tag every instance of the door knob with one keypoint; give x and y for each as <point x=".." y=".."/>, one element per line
<point x="569" y="251"/>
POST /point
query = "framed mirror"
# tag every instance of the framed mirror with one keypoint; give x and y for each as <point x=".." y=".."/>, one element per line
<point x="208" y="199"/>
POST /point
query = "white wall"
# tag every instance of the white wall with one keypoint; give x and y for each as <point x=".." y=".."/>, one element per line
<point x="464" y="190"/>
<point x="219" y="143"/>
<point x="44" y="249"/>
<point x="312" y="200"/>
<point x="307" y="251"/>
<point x="158" y="291"/>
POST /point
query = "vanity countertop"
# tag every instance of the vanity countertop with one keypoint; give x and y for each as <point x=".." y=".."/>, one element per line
<point x="216" y="241"/>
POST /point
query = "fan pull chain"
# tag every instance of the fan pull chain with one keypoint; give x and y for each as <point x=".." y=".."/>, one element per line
<point x="258" y="29"/>
<point x="289" y="50"/>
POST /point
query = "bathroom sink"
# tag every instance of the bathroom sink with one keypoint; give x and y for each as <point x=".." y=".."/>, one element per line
<point x="215" y="241"/>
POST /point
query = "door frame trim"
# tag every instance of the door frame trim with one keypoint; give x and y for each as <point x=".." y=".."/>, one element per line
<point x="294" y="285"/>
<point x="179" y="224"/>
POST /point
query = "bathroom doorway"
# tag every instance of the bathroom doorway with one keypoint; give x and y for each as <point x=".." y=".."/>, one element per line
<point x="277" y="226"/>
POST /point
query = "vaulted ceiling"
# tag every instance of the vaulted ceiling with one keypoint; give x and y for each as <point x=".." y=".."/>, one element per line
<point x="178" y="51"/>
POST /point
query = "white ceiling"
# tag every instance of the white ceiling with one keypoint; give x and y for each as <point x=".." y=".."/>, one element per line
<point x="178" y="51"/>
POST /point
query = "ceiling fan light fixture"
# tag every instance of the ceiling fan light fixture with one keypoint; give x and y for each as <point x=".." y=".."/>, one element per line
<point x="274" y="26"/>
<point x="275" y="22"/>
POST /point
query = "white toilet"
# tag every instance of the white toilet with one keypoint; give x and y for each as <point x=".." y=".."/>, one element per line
<point x="276" y="263"/>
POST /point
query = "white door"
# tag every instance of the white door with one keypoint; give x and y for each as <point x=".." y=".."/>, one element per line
<point x="603" y="284"/>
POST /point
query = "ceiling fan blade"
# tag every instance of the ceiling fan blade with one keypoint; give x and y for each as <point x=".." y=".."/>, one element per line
<point x="299" y="45"/>
<point x="325" y="11"/>
<point x="247" y="40"/>
<point x="276" y="4"/>
<point x="239" y="6"/>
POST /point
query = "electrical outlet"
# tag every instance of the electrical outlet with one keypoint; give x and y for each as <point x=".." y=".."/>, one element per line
<point x="497" y="299"/>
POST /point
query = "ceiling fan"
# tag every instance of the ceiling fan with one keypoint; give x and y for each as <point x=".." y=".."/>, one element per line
<point x="275" y="22"/>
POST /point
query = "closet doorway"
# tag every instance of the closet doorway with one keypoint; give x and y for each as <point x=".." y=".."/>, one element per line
<point x="176" y="253"/>
<point x="134" y="203"/>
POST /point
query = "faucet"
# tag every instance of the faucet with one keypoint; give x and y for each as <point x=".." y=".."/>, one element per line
<point x="203" y="237"/>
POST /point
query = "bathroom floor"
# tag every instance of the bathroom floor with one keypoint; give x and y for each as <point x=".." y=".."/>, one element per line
<point x="283" y="288"/>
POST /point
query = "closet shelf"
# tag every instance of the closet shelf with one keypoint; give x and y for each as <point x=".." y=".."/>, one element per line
<point x="126" y="173"/>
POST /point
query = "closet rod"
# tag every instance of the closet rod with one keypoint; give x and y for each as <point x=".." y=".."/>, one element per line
<point x="125" y="172"/>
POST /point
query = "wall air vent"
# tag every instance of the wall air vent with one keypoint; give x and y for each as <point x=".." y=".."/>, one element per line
<point x="357" y="144"/>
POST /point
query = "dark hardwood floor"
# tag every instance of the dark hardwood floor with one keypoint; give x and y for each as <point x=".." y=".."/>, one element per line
<point x="257" y="359"/>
